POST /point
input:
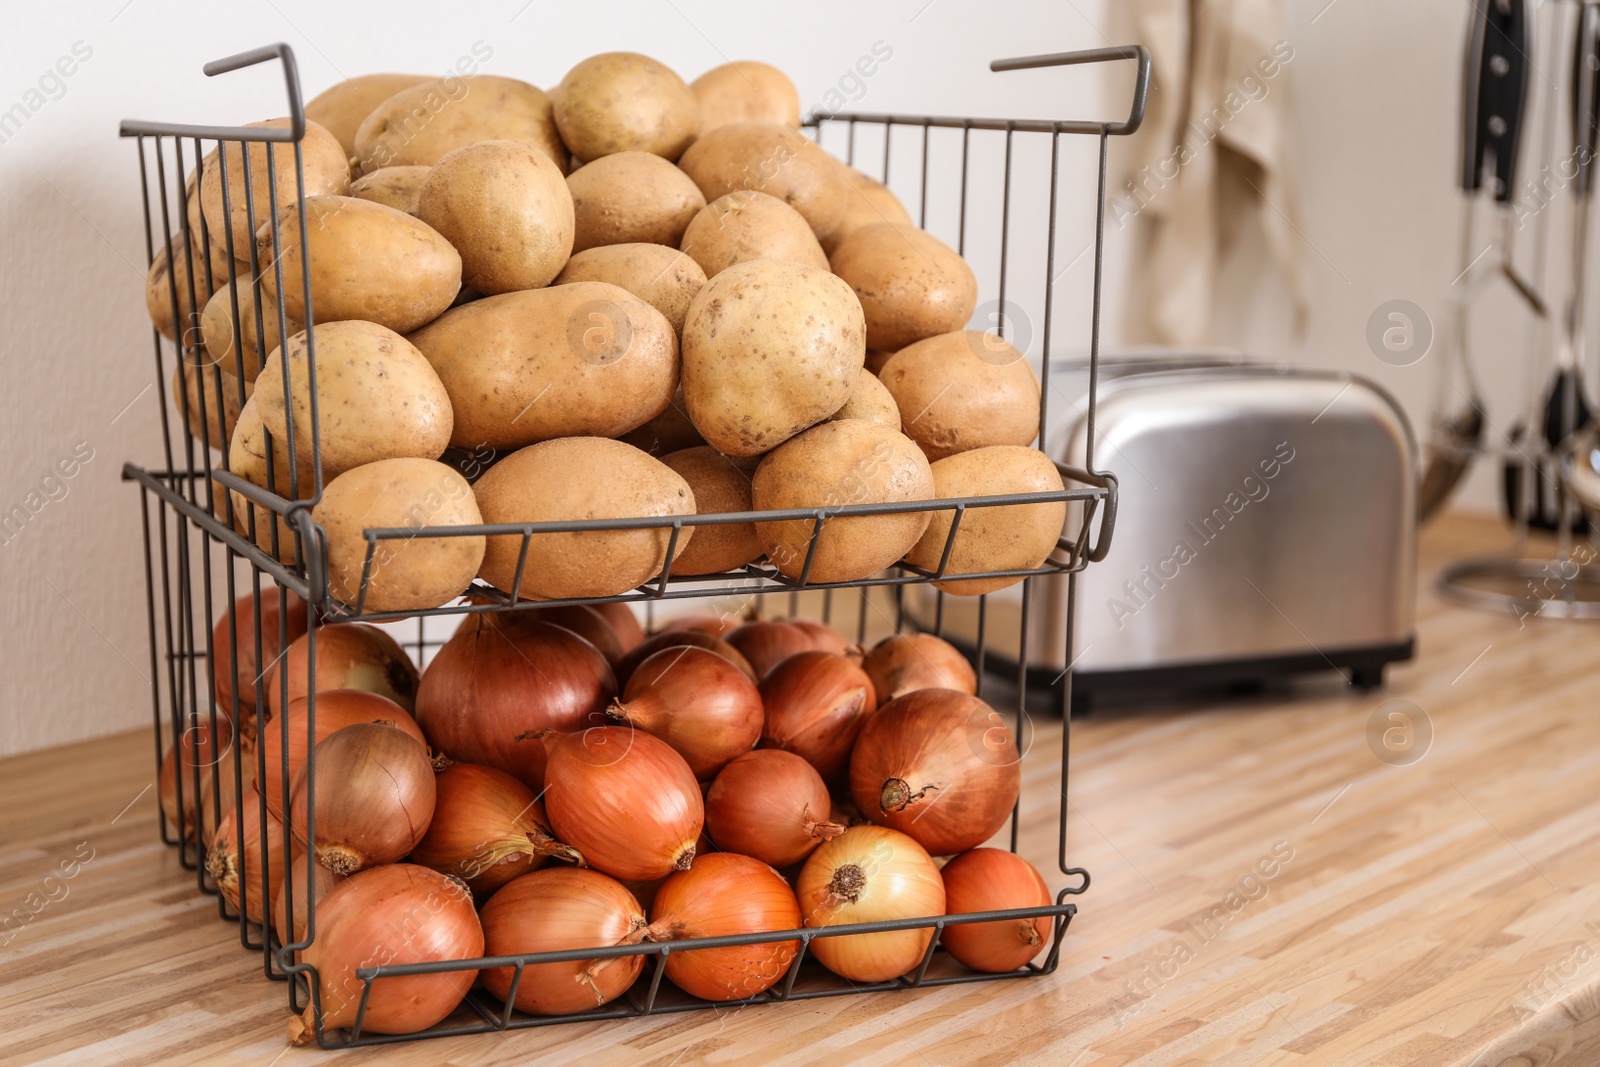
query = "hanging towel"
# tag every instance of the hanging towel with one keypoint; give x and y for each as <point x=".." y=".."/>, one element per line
<point x="1216" y="150"/>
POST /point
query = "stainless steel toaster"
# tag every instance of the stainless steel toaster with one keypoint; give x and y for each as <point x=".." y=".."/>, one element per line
<point x="1266" y="526"/>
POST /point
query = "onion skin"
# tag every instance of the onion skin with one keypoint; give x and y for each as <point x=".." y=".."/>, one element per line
<point x="374" y="796"/>
<point x="336" y="709"/>
<point x="868" y="874"/>
<point x="487" y="829"/>
<point x="500" y="681"/>
<point x="349" y="655"/>
<point x="553" y="910"/>
<point x="587" y="623"/>
<point x="678" y="639"/>
<point x="222" y="859"/>
<point x="702" y="705"/>
<point x="768" y="642"/>
<point x="816" y="703"/>
<point x="992" y="879"/>
<point x="301" y="873"/>
<point x="204" y="757"/>
<point x="625" y="800"/>
<point x="241" y="678"/>
<point x="771" y="805"/>
<point x="904" y="663"/>
<point x="938" y="765"/>
<point x="624" y="623"/>
<point x="715" y="625"/>
<point x="725" y="894"/>
<point x="397" y="913"/>
<point x="825" y="638"/>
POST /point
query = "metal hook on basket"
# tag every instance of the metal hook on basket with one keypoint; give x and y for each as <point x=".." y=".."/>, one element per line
<point x="295" y="131"/>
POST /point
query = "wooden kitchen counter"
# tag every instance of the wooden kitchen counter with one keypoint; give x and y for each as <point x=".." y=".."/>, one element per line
<point x="1266" y="891"/>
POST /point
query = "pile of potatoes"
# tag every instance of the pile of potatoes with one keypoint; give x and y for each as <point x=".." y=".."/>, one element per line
<point x="627" y="296"/>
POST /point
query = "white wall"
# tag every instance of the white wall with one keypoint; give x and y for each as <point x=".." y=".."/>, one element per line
<point x="1374" y="81"/>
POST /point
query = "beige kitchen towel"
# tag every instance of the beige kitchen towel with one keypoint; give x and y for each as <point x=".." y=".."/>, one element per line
<point x="1217" y="148"/>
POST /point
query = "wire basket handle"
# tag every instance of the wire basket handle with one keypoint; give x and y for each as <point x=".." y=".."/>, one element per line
<point x="286" y="134"/>
<point x="1141" y="82"/>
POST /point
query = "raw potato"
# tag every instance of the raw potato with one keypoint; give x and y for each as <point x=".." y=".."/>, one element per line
<point x="745" y="226"/>
<point x="377" y="397"/>
<point x="1014" y="537"/>
<point x="774" y="159"/>
<point x="327" y="171"/>
<point x="368" y="262"/>
<point x="216" y="328"/>
<point x="720" y="484"/>
<point x="201" y="238"/>
<point x="631" y="198"/>
<point x="421" y="125"/>
<point x="247" y="457"/>
<point x="671" y="431"/>
<point x="662" y="277"/>
<point x="198" y="382"/>
<point x="159" y="286"/>
<point x="573" y="360"/>
<point x="624" y="102"/>
<point x="833" y="465"/>
<point x="406" y="574"/>
<point x="868" y="201"/>
<point x="745" y="91"/>
<point x="769" y="348"/>
<point x="580" y="478"/>
<point x="964" y="390"/>
<point x="877" y="357"/>
<point x="506" y="208"/>
<point x="396" y="187"/>
<point x="872" y="401"/>
<point x="341" y="108"/>
<point x="911" y="284"/>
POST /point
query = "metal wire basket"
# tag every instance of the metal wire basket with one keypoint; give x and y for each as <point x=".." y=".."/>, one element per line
<point x="200" y="553"/>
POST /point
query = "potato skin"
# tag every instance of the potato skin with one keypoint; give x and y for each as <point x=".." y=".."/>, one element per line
<point x="421" y="125"/>
<point x="572" y="360"/>
<point x="396" y="187"/>
<point x="340" y="108"/>
<point x="720" y="484"/>
<point x="868" y="201"/>
<point x="631" y="198"/>
<point x="1015" y="537"/>
<point x="327" y="171"/>
<point x="832" y="465"/>
<point x="197" y="395"/>
<point x="248" y="458"/>
<point x="506" y="208"/>
<point x="580" y="478"/>
<point x="870" y="400"/>
<point x="769" y="348"/>
<point x="368" y="262"/>
<point x="406" y="574"/>
<point x="662" y="277"/>
<point x="745" y="91"/>
<point x="158" y="290"/>
<point x="964" y="390"/>
<point x="911" y="284"/>
<point x="621" y="102"/>
<point x="216" y="329"/>
<point x="744" y="226"/>
<point x="774" y="159"/>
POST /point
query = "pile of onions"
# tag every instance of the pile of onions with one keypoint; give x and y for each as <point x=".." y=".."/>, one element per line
<point x="624" y="623"/>
<point x="623" y="799"/>
<point x="557" y="909"/>
<point x="374" y="797"/>
<point x="768" y="642"/>
<point x="243" y="881"/>
<point x="904" y="663"/>
<point x="725" y="894"/>
<point x="237" y="673"/>
<point x="715" y="625"/>
<point x="587" y="623"/>
<point x="816" y="703"/>
<point x="702" y="705"/>
<point x="398" y="913"/>
<point x="203" y="756"/>
<point x="677" y="639"/>
<point x="870" y="874"/>
<point x="771" y="805"/>
<point x="502" y="680"/>
<point x="306" y="881"/>
<point x="336" y="709"/>
<point x="487" y="829"/>
<point x="938" y="765"/>
<point x="349" y="655"/>
<point x="992" y="879"/>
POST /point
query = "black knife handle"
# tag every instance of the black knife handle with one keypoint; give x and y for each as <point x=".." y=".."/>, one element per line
<point x="1586" y="96"/>
<point x="1496" y="93"/>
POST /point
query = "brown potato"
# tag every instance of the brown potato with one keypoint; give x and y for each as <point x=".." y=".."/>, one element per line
<point x="631" y="198"/>
<point x="911" y="284"/>
<point x="662" y="277"/>
<point x="406" y="574"/>
<point x="770" y="158"/>
<point x="248" y="458"/>
<point x="721" y="484"/>
<point x="217" y="329"/>
<point x="964" y="390"/>
<point x="574" y="360"/>
<point x="196" y="395"/>
<point x="745" y="91"/>
<point x="1014" y="537"/>
<point x="164" y="286"/>
<point x="831" y="466"/>
<point x="327" y="171"/>
<point x="342" y="107"/>
<point x="868" y="201"/>
<point x="624" y="102"/>
<point x="769" y="348"/>
<point x="506" y="208"/>
<point x="745" y="226"/>
<point x="421" y="125"/>
<point x="877" y="357"/>
<point x="201" y="238"/>
<point x="396" y="187"/>
<point x="870" y="400"/>
<point x="671" y="431"/>
<point x="580" y="478"/>
<point x="368" y="262"/>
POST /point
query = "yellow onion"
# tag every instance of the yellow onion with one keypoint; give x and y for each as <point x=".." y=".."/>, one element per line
<point x="768" y="642"/>
<point x="199" y="755"/>
<point x="309" y="881"/>
<point x="992" y="879"/>
<point x="585" y="621"/>
<point x="487" y="829"/>
<point x="904" y="663"/>
<point x="675" y="639"/>
<point x="815" y="703"/>
<point x="349" y="655"/>
<point x="237" y="673"/>
<point x="870" y="874"/>
<point x="723" y="894"/>
<point x="261" y="858"/>
<point x="624" y="623"/>
<point x="702" y="705"/>
<point x="336" y="709"/>
<point x="374" y="795"/>
<point x="771" y="805"/>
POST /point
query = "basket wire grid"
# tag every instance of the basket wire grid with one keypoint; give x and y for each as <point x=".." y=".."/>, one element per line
<point x="198" y="539"/>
